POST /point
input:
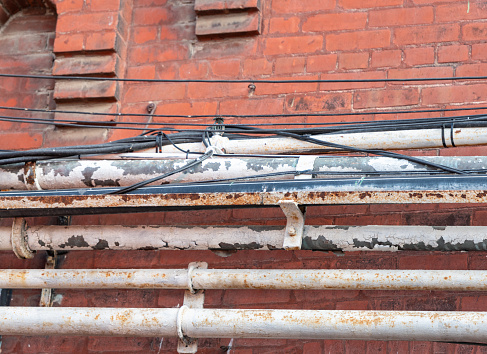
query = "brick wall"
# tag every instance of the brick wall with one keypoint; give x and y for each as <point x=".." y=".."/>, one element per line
<point x="316" y="39"/>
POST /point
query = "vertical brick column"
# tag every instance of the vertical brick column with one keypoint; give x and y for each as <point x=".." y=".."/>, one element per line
<point x="91" y="38"/>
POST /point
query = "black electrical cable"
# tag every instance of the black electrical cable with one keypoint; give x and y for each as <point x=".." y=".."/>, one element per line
<point x="329" y="114"/>
<point x="246" y="81"/>
<point x="368" y="151"/>
<point x="135" y="186"/>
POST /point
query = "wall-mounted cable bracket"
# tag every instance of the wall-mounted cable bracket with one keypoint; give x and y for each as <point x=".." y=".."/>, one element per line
<point x="293" y="239"/>
<point x="18" y="239"/>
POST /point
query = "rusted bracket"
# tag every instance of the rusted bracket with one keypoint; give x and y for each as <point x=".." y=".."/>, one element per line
<point x="293" y="239"/>
<point x="46" y="294"/>
<point x="18" y="239"/>
<point x="193" y="299"/>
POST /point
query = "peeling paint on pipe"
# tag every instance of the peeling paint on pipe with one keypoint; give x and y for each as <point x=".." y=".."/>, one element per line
<point x="218" y="323"/>
<point x="273" y="279"/>
<point x="323" y="238"/>
<point x="112" y="173"/>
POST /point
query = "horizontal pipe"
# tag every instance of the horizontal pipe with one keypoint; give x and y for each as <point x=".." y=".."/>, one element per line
<point x="357" y="190"/>
<point x="218" y="323"/>
<point x="382" y="140"/>
<point x="322" y="238"/>
<point x="67" y="174"/>
<point x="272" y="279"/>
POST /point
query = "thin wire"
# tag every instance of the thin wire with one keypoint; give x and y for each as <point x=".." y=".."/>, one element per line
<point x="335" y="114"/>
<point x="135" y="186"/>
<point x="246" y="81"/>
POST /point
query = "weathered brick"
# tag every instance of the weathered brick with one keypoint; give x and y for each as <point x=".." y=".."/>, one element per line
<point x="289" y="65"/>
<point x="453" y="53"/>
<point x="401" y="17"/>
<point x="387" y="98"/>
<point x="476" y="31"/>
<point x="426" y="34"/>
<point x="297" y="6"/>
<point x="358" y="40"/>
<point x="87" y="21"/>
<point x="225" y="68"/>
<point x="386" y="58"/>
<point x="419" y="56"/>
<point x="320" y="63"/>
<point x="255" y="67"/>
<point x="363" y="4"/>
<point x="452" y="94"/>
<point x="284" y="25"/>
<point x="319" y="103"/>
<point x="84" y="65"/>
<point x="347" y="61"/>
<point x="293" y="45"/>
<point x="335" y="22"/>
<point x="81" y="89"/>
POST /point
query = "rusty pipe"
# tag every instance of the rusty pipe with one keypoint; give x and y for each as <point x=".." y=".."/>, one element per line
<point x="272" y="279"/>
<point x="323" y="238"/>
<point x="218" y="323"/>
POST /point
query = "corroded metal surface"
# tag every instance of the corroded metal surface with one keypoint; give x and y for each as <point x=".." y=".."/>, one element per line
<point x="270" y="279"/>
<point x="219" y="323"/>
<point x="232" y="238"/>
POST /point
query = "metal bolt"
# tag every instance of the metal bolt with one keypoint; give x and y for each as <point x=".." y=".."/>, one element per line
<point x="292" y="231"/>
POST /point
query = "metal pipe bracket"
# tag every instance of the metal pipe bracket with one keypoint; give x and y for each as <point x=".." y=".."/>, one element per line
<point x="193" y="299"/>
<point x="293" y="238"/>
<point x="18" y="239"/>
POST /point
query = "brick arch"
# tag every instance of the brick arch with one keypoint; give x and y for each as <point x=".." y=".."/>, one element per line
<point x="8" y="8"/>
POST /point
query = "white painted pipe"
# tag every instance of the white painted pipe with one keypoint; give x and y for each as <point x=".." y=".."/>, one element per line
<point x="62" y="174"/>
<point x="272" y="279"/>
<point x="218" y="323"/>
<point x="387" y="140"/>
<point x="324" y="238"/>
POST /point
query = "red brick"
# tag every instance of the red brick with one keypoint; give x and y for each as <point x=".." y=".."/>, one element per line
<point x="69" y="6"/>
<point x="371" y="75"/>
<point x="474" y="31"/>
<point x="223" y="23"/>
<point x="214" y="5"/>
<point x="426" y="71"/>
<point x="347" y="61"/>
<point x="84" y="65"/>
<point x="206" y="90"/>
<point x="401" y="17"/>
<point x="320" y="63"/>
<point x="193" y="70"/>
<point x="65" y="90"/>
<point x="319" y="103"/>
<point x="87" y="21"/>
<point x="430" y="260"/>
<point x="352" y="305"/>
<point x="293" y="45"/>
<point x="460" y="11"/>
<point x="479" y="51"/>
<point x="451" y="94"/>
<point x="256" y="297"/>
<point x="358" y="40"/>
<point x="386" y="58"/>
<point x="155" y="92"/>
<point x="284" y="25"/>
<point x="68" y="42"/>
<point x="151" y="15"/>
<point x="252" y="106"/>
<point x="474" y="303"/>
<point x="298" y="6"/>
<point x="426" y="34"/>
<point x="20" y="140"/>
<point x="142" y="35"/>
<point x="104" y="5"/>
<point x="256" y="67"/>
<point x="335" y="22"/>
<point x="471" y="70"/>
<point x="290" y="65"/>
<point x="364" y="4"/>
<point x="205" y="107"/>
<point x="388" y="98"/>
<point x="419" y="56"/>
<point x="313" y="348"/>
<point x="141" y="72"/>
<point x="101" y="40"/>
<point x="52" y="344"/>
<point x="453" y="53"/>
<point x="225" y="68"/>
